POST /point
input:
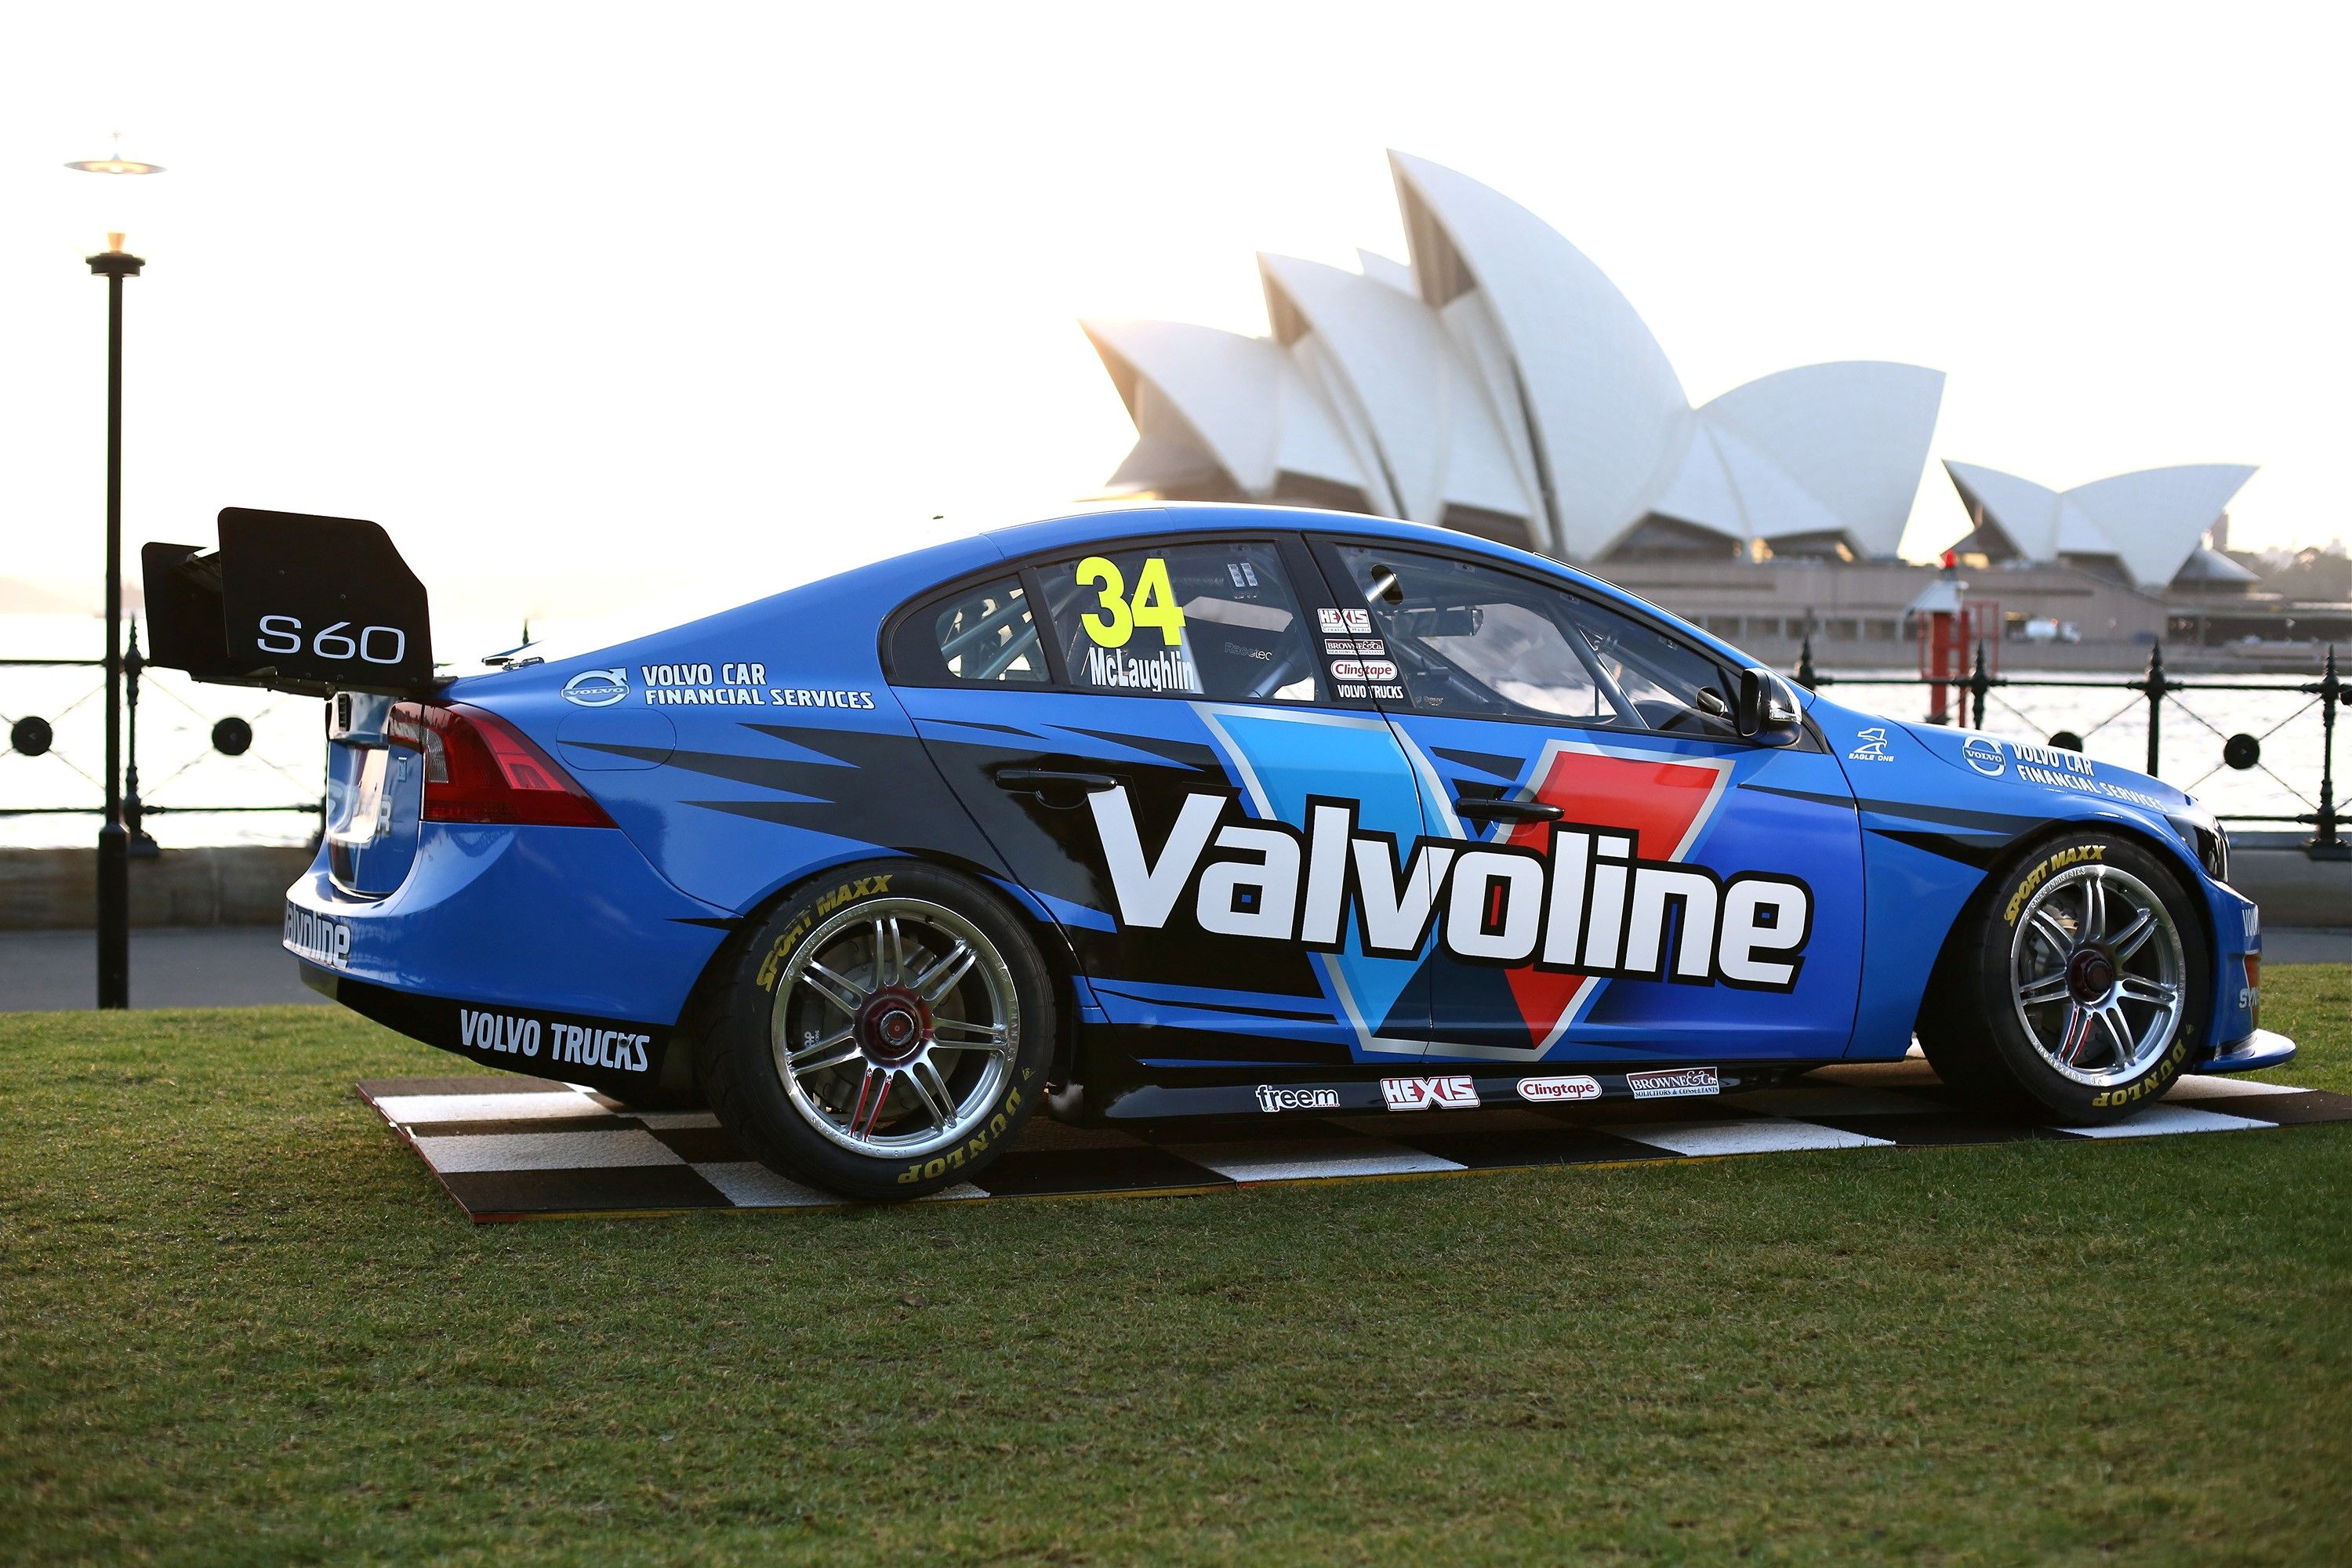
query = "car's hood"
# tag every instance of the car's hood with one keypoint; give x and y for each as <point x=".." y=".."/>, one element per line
<point x="1867" y="739"/>
<point x="2048" y="768"/>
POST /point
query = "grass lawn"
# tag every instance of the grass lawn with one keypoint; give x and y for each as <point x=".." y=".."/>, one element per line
<point x="241" y="1323"/>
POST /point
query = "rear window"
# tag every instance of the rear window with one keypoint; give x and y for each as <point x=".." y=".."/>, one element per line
<point x="981" y="635"/>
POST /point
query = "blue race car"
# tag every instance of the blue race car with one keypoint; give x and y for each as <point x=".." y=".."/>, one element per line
<point x="1198" y="811"/>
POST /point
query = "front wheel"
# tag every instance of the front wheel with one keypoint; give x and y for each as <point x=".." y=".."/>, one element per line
<point x="2082" y="992"/>
<point x="884" y="1034"/>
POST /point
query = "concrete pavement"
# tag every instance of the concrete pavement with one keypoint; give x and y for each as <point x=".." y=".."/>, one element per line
<point x="2297" y="944"/>
<point x="171" y="966"/>
<point x="235" y="966"/>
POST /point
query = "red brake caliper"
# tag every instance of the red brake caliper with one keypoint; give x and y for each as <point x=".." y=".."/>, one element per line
<point x="2078" y="1030"/>
<point x="860" y="1114"/>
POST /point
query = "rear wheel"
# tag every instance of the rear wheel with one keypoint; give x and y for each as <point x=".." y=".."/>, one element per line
<point x="2083" y="990"/>
<point x="886" y="1033"/>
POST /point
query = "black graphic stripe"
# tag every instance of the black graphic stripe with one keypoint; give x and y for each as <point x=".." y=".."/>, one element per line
<point x="1980" y="853"/>
<point x="2001" y="822"/>
<point x="1501" y="766"/>
<point x="1185" y="754"/>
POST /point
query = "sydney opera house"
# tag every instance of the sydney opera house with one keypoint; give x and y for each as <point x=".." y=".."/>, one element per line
<point x="1499" y="383"/>
<point x="1502" y="385"/>
<point x="2145" y="526"/>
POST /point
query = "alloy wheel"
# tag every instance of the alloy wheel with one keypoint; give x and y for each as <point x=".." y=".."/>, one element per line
<point x="2097" y="973"/>
<point x="894" y="1026"/>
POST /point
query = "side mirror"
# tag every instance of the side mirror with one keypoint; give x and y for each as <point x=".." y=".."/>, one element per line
<point x="1768" y="711"/>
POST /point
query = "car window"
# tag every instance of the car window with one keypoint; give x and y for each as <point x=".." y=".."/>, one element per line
<point x="1215" y="619"/>
<point x="986" y="634"/>
<point x="1673" y="686"/>
<point x="1472" y="639"/>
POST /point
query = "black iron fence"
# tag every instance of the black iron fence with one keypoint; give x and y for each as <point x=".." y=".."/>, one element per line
<point x="2241" y="750"/>
<point x="35" y="735"/>
<point x="1973" y="694"/>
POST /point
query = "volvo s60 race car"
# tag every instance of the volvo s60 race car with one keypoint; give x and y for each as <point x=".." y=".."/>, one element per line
<point x="1196" y="811"/>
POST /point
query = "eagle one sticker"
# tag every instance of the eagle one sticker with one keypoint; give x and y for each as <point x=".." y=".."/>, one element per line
<point x="1871" y="747"/>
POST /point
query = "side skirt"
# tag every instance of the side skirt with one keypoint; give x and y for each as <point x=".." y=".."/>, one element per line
<point x="1410" y="1089"/>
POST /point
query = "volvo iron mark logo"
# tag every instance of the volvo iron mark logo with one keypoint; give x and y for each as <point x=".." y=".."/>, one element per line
<point x="1983" y="753"/>
<point x="597" y="688"/>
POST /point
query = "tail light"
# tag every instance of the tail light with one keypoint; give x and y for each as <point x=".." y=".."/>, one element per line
<point x="480" y="768"/>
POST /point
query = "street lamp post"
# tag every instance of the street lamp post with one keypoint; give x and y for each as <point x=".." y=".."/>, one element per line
<point x="114" y="263"/>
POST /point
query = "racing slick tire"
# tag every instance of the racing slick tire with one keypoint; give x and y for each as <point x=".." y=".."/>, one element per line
<point x="2082" y="989"/>
<point x="884" y="1032"/>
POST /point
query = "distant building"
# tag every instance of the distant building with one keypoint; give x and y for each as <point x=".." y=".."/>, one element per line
<point x="1501" y="384"/>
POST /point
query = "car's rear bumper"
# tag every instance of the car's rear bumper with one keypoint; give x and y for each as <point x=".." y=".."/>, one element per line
<point x="2261" y="1049"/>
<point x="556" y="951"/>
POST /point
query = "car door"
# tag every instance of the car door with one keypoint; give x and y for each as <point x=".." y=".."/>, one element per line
<point x="1629" y="879"/>
<point x="1146" y="734"/>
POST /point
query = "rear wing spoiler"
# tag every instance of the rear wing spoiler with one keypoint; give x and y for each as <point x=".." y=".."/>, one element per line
<point x="295" y="602"/>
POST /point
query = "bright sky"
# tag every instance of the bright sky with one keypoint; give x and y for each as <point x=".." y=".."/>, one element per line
<point x="587" y="302"/>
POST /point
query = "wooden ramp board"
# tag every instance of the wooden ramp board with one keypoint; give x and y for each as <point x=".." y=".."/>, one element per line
<point x="511" y="1147"/>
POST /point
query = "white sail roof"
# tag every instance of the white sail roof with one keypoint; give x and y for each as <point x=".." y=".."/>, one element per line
<point x="2150" y="523"/>
<point x="1503" y="374"/>
<point x="1197" y="394"/>
<point x="1852" y="437"/>
<point x="1436" y="441"/>
<point x="1605" y="409"/>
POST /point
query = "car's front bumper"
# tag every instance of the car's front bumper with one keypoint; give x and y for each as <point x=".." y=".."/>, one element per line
<point x="2261" y="1049"/>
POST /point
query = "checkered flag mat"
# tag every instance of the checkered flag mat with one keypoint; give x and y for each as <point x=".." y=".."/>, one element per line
<point x="521" y="1148"/>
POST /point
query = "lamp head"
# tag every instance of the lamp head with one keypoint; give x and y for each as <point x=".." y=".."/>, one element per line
<point x="116" y="163"/>
<point x="115" y="258"/>
<point x="116" y="167"/>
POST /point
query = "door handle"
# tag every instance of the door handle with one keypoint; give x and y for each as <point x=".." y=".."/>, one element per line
<point x="1506" y="811"/>
<point x="1049" y="783"/>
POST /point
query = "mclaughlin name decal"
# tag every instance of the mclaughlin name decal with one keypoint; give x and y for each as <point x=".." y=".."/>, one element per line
<point x="1581" y="903"/>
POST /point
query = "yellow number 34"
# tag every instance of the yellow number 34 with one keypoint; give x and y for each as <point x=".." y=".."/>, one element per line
<point x="1114" y="621"/>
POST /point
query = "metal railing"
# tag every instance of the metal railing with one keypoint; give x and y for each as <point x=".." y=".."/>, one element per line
<point x="233" y="737"/>
<point x="2154" y="687"/>
<point x="34" y="735"/>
